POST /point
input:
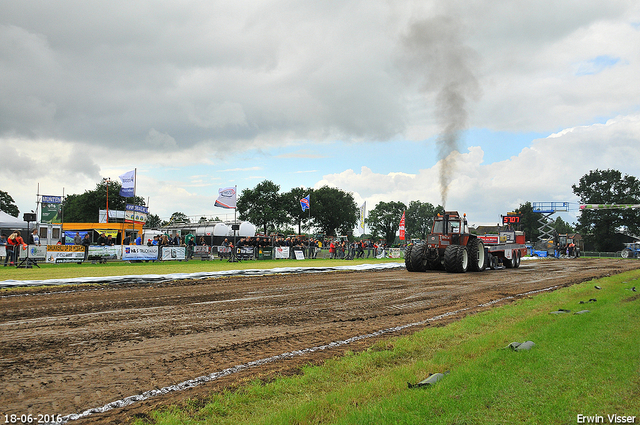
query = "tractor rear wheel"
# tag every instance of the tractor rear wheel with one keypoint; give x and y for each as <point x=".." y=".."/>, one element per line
<point x="418" y="258"/>
<point x="407" y="258"/>
<point x="456" y="259"/>
<point x="477" y="261"/>
<point x="626" y="253"/>
<point x="516" y="260"/>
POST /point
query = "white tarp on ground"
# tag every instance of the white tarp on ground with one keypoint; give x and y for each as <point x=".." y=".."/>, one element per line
<point x="200" y="275"/>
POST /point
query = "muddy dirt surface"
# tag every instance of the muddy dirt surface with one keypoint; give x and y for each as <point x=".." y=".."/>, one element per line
<point x="63" y="351"/>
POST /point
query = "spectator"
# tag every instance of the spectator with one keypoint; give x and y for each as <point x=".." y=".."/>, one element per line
<point x="5" y="243"/>
<point x="86" y="241"/>
<point x="139" y="239"/>
<point x="77" y="240"/>
<point x="34" y="239"/>
<point x="190" y="245"/>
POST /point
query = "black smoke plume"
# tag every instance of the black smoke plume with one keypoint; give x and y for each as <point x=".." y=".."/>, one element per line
<point x="437" y="55"/>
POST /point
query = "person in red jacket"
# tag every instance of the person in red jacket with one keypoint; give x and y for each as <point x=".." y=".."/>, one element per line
<point x="14" y="243"/>
<point x="11" y="242"/>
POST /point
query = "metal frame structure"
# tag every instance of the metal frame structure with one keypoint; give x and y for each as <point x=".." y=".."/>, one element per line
<point x="547" y="209"/>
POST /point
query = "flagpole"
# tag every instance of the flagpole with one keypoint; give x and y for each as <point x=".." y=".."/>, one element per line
<point x="133" y="218"/>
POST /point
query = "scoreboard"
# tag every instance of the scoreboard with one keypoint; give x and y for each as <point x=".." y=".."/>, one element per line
<point x="511" y="219"/>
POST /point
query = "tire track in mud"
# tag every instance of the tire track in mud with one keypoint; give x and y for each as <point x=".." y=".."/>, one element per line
<point x="88" y="348"/>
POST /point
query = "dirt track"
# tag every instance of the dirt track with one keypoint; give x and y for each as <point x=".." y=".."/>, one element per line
<point x="68" y="351"/>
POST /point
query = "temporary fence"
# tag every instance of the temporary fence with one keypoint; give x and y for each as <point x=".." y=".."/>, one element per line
<point x="101" y="253"/>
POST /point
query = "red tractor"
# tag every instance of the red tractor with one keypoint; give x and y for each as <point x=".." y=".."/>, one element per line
<point x="450" y="246"/>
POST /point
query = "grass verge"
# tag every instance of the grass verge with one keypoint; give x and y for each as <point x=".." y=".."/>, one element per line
<point x="582" y="364"/>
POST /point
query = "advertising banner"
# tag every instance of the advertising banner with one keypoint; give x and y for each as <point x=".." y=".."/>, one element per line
<point x="65" y="253"/>
<point x="51" y="209"/>
<point x="108" y="232"/>
<point x="395" y="253"/>
<point x="136" y="213"/>
<point x="282" y="252"/>
<point x="70" y="234"/>
<point x="265" y="253"/>
<point x="102" y="252"/>
<point x="140" y="253"/>
<point x="201" y="251"/>
<point x="3" y="251"/>
<point x="299" y="255"/>
<point x="224" y="251"/>
<point x="169" y="253"/>
<point x="36" y="252"/>
<point x="245" y="253"/>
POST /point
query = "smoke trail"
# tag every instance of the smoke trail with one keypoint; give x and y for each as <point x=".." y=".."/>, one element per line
<point x="436" y="53"/>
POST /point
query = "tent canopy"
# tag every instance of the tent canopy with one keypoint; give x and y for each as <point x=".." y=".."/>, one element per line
<point x="10" y="222"/>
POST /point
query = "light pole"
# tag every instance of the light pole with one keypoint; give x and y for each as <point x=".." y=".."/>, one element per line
<point x="107" y="180"/>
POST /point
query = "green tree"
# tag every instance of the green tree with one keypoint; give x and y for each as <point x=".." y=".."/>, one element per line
<point x="292" y="207"/>
<point x="153" y="221"/>
<point x="601" y="228"/>
<point x="85" y="207"/>
<point x="419" y="218"/>
<point x="529" y="222"/>
<point x="179" y="217"/>
<point x="562" y="226"/>
<point x="262" y="206"/>
<point x="385" y="218"/>
<point x="8" y="205"/>
<point x="333" y="210"/>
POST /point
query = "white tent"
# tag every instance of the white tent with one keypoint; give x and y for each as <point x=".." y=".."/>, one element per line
<point x="10" y="222"/>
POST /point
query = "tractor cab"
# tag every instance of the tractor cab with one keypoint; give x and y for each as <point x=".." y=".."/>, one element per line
<point x="449" y="223"/>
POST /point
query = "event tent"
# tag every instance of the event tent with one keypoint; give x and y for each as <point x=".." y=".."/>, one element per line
<point x="10" y="222"/>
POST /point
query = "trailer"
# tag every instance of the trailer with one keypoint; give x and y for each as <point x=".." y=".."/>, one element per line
<point x="505" y="249"/>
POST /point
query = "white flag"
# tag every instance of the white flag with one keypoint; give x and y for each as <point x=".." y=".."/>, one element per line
<point x="226" y="198"/>
<point x="128" y="184"/>
<point x="363" y="212"/>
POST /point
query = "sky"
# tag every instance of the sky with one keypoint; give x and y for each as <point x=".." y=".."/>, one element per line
<point x="476" y="105"/>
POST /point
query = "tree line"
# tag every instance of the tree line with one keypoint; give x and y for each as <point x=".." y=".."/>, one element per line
<point x="334" y="212"/>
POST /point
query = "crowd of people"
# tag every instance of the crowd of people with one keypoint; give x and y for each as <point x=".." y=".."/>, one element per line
<point x="345" y="250"/>
<point x="338" y="249"/>
<point x="14" y="242"/>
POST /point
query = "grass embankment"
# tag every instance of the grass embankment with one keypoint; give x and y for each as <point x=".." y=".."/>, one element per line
<point x="585" y="364"/>
<point x="87" y="269"/>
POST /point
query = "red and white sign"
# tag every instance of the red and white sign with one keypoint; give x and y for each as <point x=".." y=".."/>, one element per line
<point x="402" y="227"/>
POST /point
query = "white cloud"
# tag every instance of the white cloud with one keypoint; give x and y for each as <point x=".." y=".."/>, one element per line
<point x="91" y="90"/>
<point x="542" y="172"/>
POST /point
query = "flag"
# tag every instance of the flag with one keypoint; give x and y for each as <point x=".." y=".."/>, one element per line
<point x="305" y="202"/>
<point x="402" y="227"/>
<point x="363" y="212"/>
<point x="226" y="198"/>
<point x="128" y="184"/>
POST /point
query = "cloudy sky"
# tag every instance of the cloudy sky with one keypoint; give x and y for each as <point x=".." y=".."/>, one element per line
<point x="481" y="105"/>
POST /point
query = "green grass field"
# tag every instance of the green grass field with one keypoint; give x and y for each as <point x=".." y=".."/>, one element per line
<point x="581" y="364"/>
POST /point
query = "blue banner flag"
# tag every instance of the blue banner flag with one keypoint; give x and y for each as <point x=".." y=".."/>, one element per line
<point x="305" y="202"/>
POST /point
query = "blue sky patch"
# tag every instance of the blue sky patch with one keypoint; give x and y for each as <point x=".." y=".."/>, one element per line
<point x="597" y="65"/>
